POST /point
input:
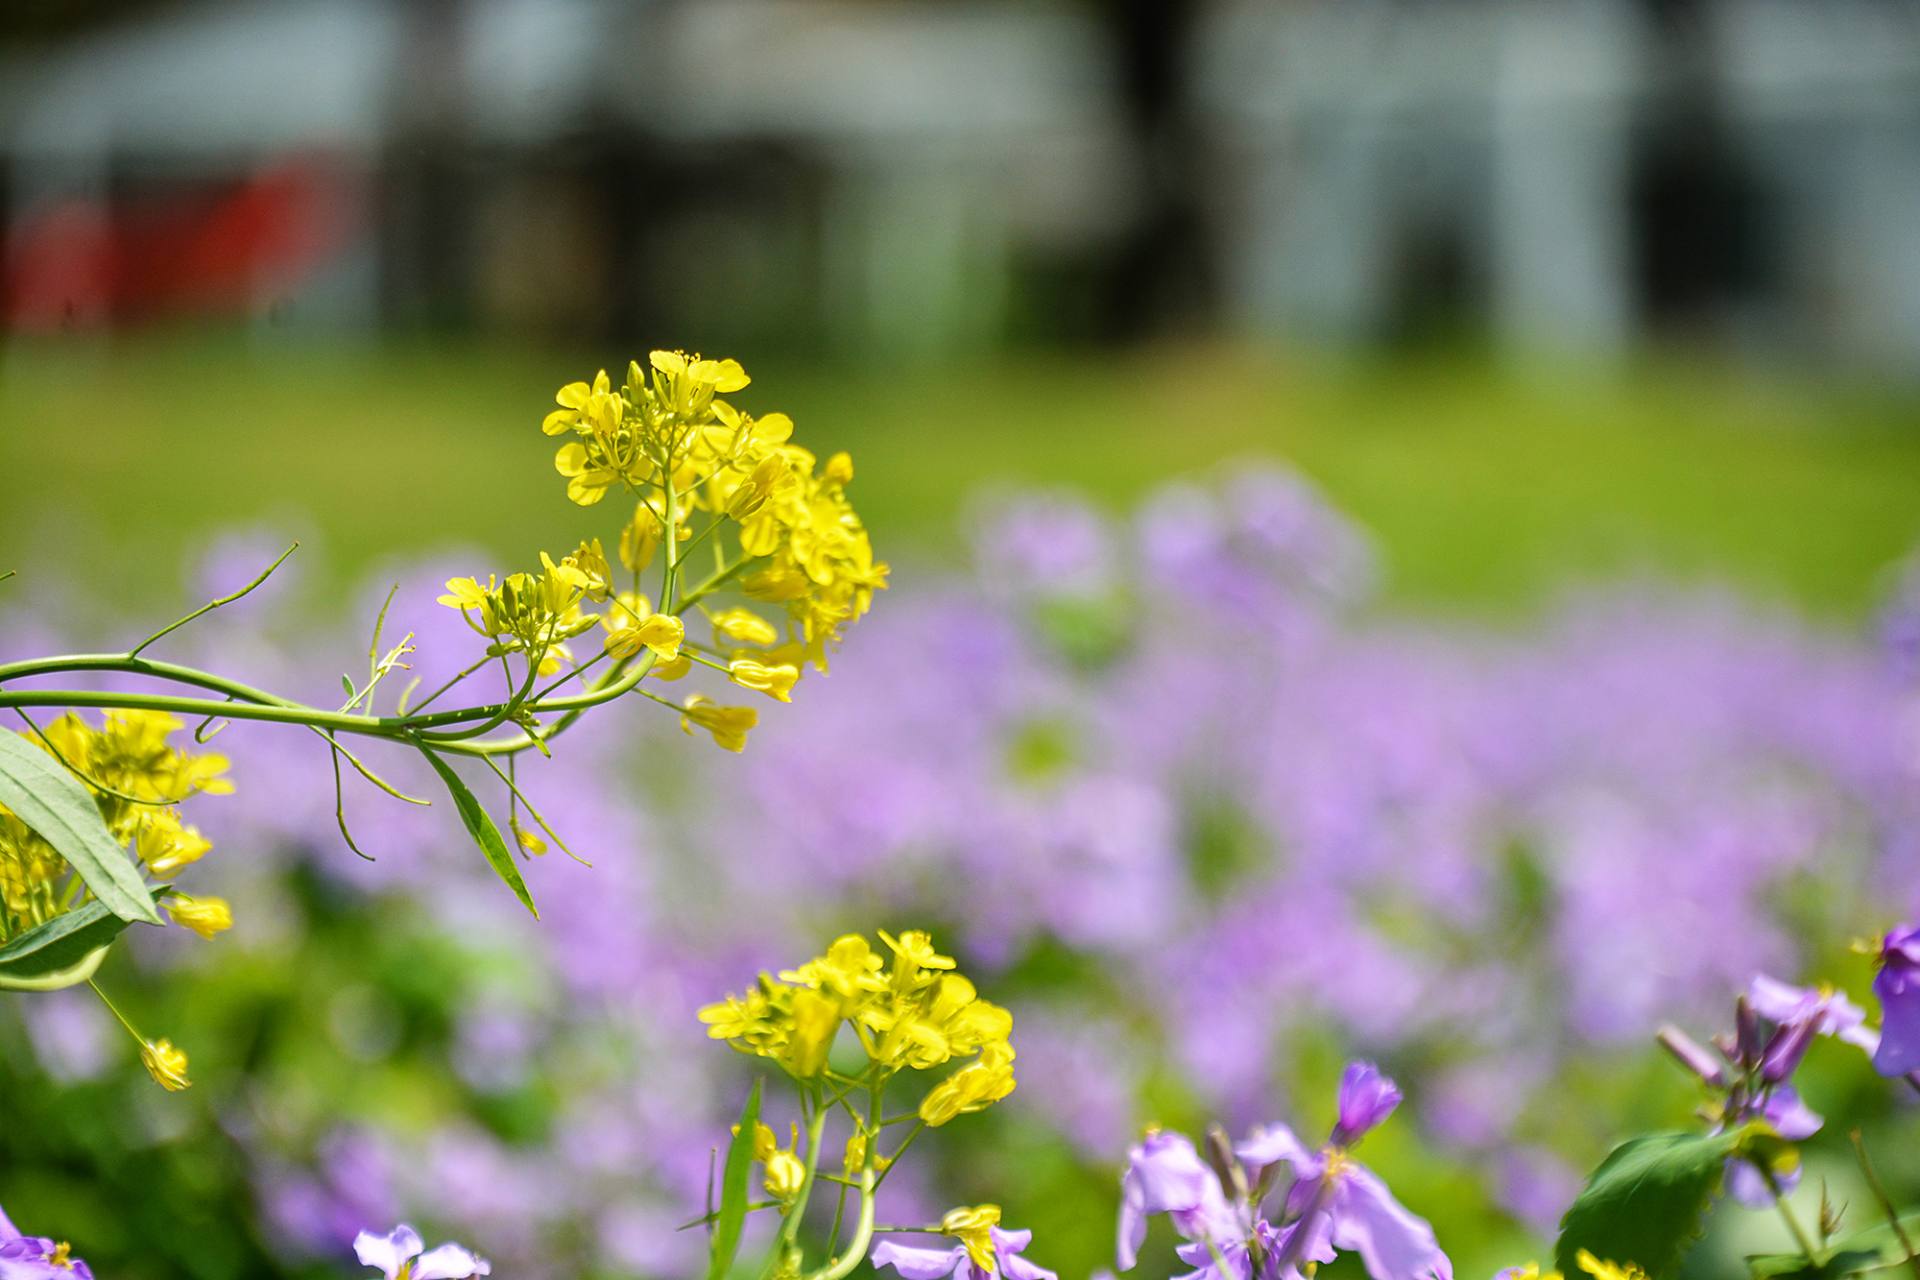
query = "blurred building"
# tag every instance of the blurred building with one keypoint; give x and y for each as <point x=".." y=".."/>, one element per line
<point x="1575" y="176"/>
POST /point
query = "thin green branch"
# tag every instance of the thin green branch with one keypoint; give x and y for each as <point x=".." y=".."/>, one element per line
<point x="1886" y="1202"/>
<point x="211" y="605"/>
<point x="521" y="796"/>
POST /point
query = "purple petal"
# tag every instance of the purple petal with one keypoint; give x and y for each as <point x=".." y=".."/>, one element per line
<point x="1745" y="1184"/>
<point x="1270" y="1144"/>
<point x="1007" y="1246"/>
<point x="1366" y="1098"/>
<point x="1791" y="1118"/>
<point x="1394" y="1244"/>
<point x="1315" y="1243"/>
<point x="389" y="1252"/>
<point x="1164" y="1175"/>
<point x="1199" y="1256"/>
<point x="1898" y="987"/>
<point x="1778" y="1001"/>
<point x="449" y="1262"/>
<point x="916" y="1263"/>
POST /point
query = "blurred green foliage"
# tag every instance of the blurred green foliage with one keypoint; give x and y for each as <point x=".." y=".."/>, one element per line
<point x="1487" y="488"/>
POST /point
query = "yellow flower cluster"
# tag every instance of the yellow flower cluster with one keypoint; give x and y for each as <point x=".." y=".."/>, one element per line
<point x="135" y="775"/>
<point x="909" y="1010"/>
<point x="535" y="614"/>
<point x="802" y="546"/>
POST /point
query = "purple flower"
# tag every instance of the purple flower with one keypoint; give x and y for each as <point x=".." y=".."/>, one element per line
<point x="1336" y="1201"/>
<point x="25" y="1257"/>
<point x="397" y="1255"/>
<point x="1366" y="1099"/>
<point x="1166" y="1175"/>
<point x="1813" y="1010"/>
<point x="917" y="1263"/>
<point x="1898" y="987"/>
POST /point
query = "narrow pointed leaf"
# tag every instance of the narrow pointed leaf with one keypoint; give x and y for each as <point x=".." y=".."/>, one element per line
<point x="48" y="798"/>
<point x="732" y="1215"/>
<point x="481" y="828"/>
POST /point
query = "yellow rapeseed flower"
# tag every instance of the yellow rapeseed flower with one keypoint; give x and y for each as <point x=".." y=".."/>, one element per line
<point x="205" y="916"/>
<point x="166" y="1064"/>
<point x="744" y="626"/>
<point x="973" y="1227"/>
<point x="632" y="625"/>
<point x="775" y="681"/>
<point x="728" y="725"/>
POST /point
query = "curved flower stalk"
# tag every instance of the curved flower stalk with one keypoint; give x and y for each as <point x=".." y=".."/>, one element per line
<point x="90" y="837"/>
<point x="908" y="1011"/>
<point x="1331" y="1204"/>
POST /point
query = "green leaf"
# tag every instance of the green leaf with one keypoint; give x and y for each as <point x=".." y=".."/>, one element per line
<point x="1793" y="1266"/>
<point x="1645" y="1202"/>
<point x="63" y="951"/>
<point x="60" y="809"/>
<point x="1871" y="1248"/>
<point x="732" y="1215"/>
<point x="481" y="828"/>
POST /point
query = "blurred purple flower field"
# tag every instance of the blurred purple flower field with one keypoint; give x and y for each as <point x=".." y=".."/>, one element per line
<point x="1200" y="805"/>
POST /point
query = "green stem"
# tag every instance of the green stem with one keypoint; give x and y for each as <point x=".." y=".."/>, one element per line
<point x="211" y="605"/>
<point x="719" y="578"/>
<point x="1886" y="1202"/>
<point x="790" y="1226"/>
<point x="1800" y="1236"/>
<point x="863" y="1225"/>
<point x="114" y="1009"/>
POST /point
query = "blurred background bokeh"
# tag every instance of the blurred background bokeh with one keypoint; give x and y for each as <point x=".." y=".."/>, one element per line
<point x="1397" y="514"/>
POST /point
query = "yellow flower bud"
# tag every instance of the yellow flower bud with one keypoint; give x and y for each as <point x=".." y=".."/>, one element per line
<point x="839" y="468"/>
<point x="205" y="916"/>
<point x="785" y="1175"/>
<point x="528" y="840"/>
<point x="166" y="1064"/>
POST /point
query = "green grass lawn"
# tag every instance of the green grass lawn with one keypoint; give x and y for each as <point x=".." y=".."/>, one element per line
<point x="1486" y="490"/>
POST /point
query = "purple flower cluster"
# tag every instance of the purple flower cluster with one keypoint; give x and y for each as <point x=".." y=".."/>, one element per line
<point x="1184" y="751"/>
<point x="1332" y="1204"/>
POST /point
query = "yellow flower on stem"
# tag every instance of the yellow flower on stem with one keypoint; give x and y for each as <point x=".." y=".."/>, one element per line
<point x="974" y="1087"/>
<point x="632" y="625"/>
<point x="775" y="681"/>
<point x="166" y="844"/>
<point x="166" y="1064"/>
<point x="973" y="1227"/>
<point x="744" y="626"/>
<point x="728" y="725"/>
<point x="205" y="916"/>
